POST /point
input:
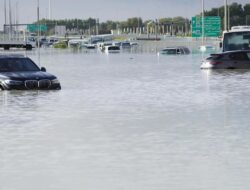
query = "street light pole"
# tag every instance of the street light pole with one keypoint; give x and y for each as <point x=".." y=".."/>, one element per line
<point x="10" y="20"/>
<point x="203" y="24"/>
<point x="50" y="10"/>
<point x="38" y="31"/>
<point x="5" y="13"/>
<point x="225" y="15"/>
<point x="228" y="19"/>
<point x="38" y="19"/>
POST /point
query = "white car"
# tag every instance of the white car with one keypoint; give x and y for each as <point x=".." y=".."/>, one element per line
<point x="228" y="60"/>
<point x="112" y="49"/>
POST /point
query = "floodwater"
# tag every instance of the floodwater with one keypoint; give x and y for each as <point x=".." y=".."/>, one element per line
<point x="127" y="121"/>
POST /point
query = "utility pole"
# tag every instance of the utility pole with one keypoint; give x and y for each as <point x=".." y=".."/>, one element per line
<point x="225" y="15"/>
<point x="38" y="19"/>
<point x="10" y="20"/>
<point x="5" y="17"/>
<point x="228" y="17"/>
<point x="50" y="10"/>
<point x="17" y="20"/>
<point x="5" y="12"/>
<point x="203" y="23"/>
<point x="38" y="31"/>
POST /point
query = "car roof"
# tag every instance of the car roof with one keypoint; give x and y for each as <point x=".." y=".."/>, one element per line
<point x="113" y="46"/>
<point x="176" y="47"/>
<point x="230" y="52"/>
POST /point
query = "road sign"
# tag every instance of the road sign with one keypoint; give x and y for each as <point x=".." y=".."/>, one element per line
<point x="212" y="26"/>
<point x="35" y="28"/>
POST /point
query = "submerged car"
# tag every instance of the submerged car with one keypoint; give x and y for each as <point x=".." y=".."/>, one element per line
<point x="112" y="49"/>
<point x="21" y="73"/>
<point x="179" y="50"/>
<point x="228" y="60"/>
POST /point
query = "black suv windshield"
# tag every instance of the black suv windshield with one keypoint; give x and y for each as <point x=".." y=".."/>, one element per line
<point x="17" y="65"/>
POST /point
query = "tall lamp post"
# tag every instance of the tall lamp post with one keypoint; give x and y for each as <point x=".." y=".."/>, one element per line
<point x="228" y="17"/>
<point x="38" y="30"/>
<point x="5" y="12"/>
<point x="225" y="15"/>
<point x="203" y="23"/>
<point x="5" y="17"/>
<point x="10" y="20"/>
<point x="50" y="14"/>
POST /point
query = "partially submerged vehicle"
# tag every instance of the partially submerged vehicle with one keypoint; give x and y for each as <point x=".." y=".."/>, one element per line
<point x="112" y="49"/>
<point x="239" y="59"/>
<point x="102" y="45"/>
<point x="21" y="73"/>
<point x="179" y="50"/>
<point x="125" y="44"/>
<point x="236" y="50"/>
<point x="90" y="46"/>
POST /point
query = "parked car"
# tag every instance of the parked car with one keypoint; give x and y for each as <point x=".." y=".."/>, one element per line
<point x="179" y="50"/>
<point x="21" y="73"/>
<point x="228" y="60"/>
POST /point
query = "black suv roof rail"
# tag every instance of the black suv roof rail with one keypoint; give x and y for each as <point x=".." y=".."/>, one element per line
<point x="12" y="55"/>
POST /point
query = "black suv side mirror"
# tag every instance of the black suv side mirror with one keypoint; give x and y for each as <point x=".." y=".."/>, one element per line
<point x="43" y="69"/>
<point x="220" y="44"/>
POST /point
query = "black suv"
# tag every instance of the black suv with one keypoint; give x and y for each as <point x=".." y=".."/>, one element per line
<point x="21" y="73"/>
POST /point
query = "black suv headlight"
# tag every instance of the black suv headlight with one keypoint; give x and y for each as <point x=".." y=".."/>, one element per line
<point x="13" y="82"/>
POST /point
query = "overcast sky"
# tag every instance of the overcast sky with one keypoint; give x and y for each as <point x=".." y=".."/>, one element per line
<point x="109" y="9"/>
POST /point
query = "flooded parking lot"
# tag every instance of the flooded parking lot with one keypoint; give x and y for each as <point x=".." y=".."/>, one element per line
<point x="127" y="121"/>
